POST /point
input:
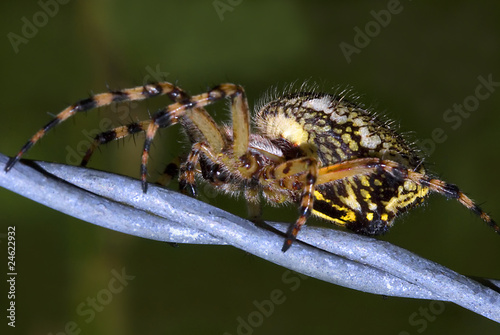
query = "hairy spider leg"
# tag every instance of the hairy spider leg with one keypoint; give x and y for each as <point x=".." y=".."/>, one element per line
<point x="452" y="191"/>
<point x="441" y="187"/>
<point x="114" y="134"/>
<point x="214" y="142"/>
<point x="126" y="130"/>
<point x="254" y="208"/>
<point x="208" y="127"/>
<point x="311" y="176"/>
<point x="99" y="100"/>
<point x="187" y="172"/>
<point x="309" y="167"/>
<point x="204" y="123"/>
<point x="366" y="166"/>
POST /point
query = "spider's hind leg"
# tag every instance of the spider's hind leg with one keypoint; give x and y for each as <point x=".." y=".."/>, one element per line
<point x="452" y="191"/>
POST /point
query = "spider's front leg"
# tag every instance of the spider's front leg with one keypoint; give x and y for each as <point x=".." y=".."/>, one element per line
<point x="187" y="181"/>
<point x="175" y="93"/>
<point x="113" y="134"/>
<point x="99" y="100"/>
<point x="211" y="141"/>
<point x="200" y="126"/>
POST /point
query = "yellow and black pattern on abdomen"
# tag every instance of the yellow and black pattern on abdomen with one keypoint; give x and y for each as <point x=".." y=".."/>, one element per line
<point x="367" y="204"/>
<point x="339" y="130"/>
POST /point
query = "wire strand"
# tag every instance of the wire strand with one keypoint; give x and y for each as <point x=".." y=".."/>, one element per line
<point x="358" y="262"/>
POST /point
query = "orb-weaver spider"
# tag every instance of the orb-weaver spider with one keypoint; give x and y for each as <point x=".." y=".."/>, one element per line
<point x="334" y="158"/>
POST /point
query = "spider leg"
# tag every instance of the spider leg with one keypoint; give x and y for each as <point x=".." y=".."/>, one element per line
<point x="439" y="186"/>
<point x="358" y="167"/>
<point x="207" y="130"/>
<point x="190" y="109"/>
<point x="308" y="168"/>
<point x="187" y="179"/>
<point x="351" y="168"/>
<point x="241" y="123"/>
<point x="305" y="209"/>
<point x="114" y="134"/>
<point x="254" y="207"/>
<point x="452" y="191"/>
<point x="365" y="166"/>
<point x="99" y="100"/>
<point x="306" y="171"/>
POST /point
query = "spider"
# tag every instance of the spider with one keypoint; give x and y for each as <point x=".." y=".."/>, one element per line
<point x="332" y="157"/>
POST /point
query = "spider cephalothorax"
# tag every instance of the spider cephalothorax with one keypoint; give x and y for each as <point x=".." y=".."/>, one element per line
<point x="333" y="158"/>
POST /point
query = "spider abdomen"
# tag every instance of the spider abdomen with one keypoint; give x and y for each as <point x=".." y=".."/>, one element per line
<point x="334" y="130"/>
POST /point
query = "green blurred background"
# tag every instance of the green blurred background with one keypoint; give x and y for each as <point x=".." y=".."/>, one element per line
<point x="426" y="59"/>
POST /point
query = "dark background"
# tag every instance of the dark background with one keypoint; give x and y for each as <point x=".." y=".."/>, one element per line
<point x="427" y="58"/>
